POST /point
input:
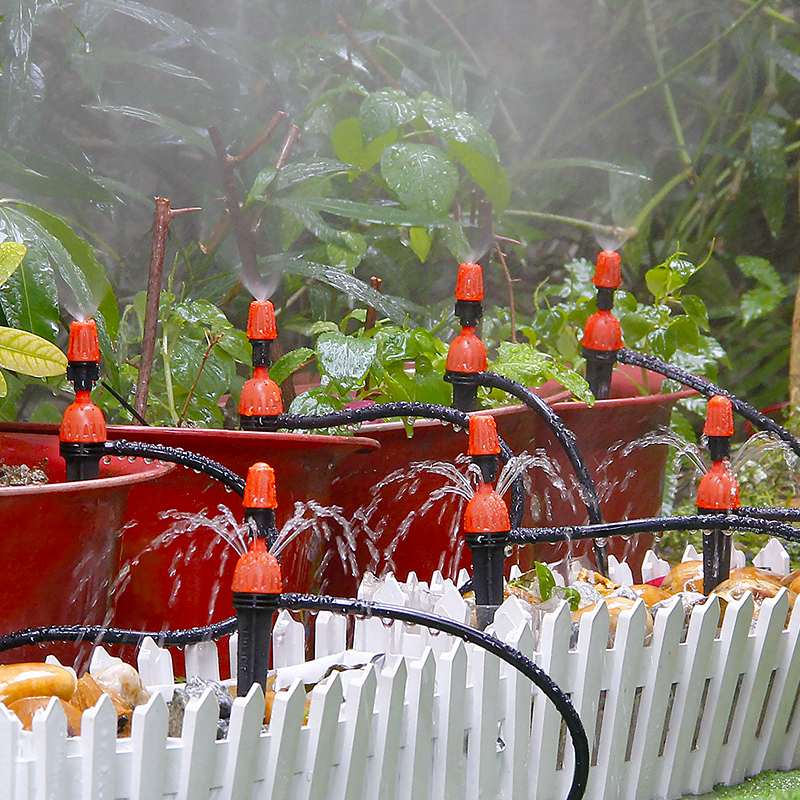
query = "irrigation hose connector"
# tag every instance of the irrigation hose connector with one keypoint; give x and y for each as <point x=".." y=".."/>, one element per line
<point x="256" y="588"/>
<point x="718" y="491"/>
<point x="260" y="501"/>
<point x="465" y="359"/>
<point x="486" y="524"/>
<point x="82" y="434"/>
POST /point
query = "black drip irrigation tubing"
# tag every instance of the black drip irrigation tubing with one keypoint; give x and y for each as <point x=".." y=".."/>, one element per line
<point x="709" y="389"/>
<point x="176" y="455"/>
<point x="564" y="436"/>
<point x="361" y="608"/>
<point x="653" y="525"/>
<point x="380" y="411"/>
<point x="761" y="512"/>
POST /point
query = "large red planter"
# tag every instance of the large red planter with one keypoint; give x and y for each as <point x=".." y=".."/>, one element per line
<point x="394" y="534"/>
<point x="60" y="543"/>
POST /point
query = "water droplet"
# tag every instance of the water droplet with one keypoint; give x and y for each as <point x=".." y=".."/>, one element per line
<point x="87" y="48"/>
<point x="106" y="459"/>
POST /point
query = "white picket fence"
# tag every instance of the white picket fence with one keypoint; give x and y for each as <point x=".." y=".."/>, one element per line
<point x="439" y="719"/>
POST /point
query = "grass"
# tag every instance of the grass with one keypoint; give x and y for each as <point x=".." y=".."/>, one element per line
<point x="766" y="786"/>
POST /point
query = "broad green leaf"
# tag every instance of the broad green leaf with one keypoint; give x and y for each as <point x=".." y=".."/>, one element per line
<point x="487" y="173"/>
<point x="757" y="302"/>
<point x="762" y="271"/>
<point x="384" y="111"/>
<point x="290" y="362"/>
<point x="767" y="144"/>
<point x="36" y="173"/>
<point x="545" y="580"/>
<point x="345" y="359"/>
<point x="422" y="176"/>
<point x="696" y="309"/>
<point x="366" y="212"/>
<point x="208" y="371"/>
<point x="262" y="183"/>
<point x="456" y="126"/>
<point x="201" y="312"/>
<point x="316" y="402"/>
<point x="449" y="74"/>
<point x="419" y="241"/>
<point x="348" y="144"/>
<point x="184" y="133"/>
<point x="4" y="387"/>
<point x="29" y="354"/>
<point x="11" y="255"/>
<point x="300" y="171"/>
<point x="144" y="59"/>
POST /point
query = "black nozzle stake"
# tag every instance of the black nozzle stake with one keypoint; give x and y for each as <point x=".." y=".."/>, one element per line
<point x="82" y="459"/>
<point x="254" y="613"/>
<point x="261" y="352"/>
<point x="83" y="374"/>
<point x="258" y="422"/>
<point x="469" y="312"/>
<point x="599" y="368"/>
<point x="488" y="560"/>
<point x="465" y="390"/>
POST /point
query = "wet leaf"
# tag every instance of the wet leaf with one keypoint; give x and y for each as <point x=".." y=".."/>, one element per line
<point x="420" y="242"/>
<point x="29" y="354"/>
<point x="449" y="73"/>
<point x="301" y="171"/>
<point x="456" y="126"/>
<point x="11" y="255"/>
<point x="423" y="178"/>
<point x="289" y="363"/>
<point x="316" y="402"/>
<point x="767" y="144"/>
<point x="366" y="212"/>
<point x="348" y="144"/>
<point x="384" y="111"/>
<point x="487" y="173"/>
<point x="345" y="359"/>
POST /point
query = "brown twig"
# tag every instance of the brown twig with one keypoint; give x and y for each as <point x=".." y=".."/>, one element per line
<point x="288" y="143"/>
<point x="212" y="342"/>
<point x="372" y="312"/>
<point x="458" y="36"/>
<point x="510" y="281"/>
<point x="358" y="45"/>
<point x="164" y="215"/>
<point x="261" y="139"/>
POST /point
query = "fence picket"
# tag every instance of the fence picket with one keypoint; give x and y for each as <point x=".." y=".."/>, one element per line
<point x="448" y="759"/>
<point x="763" y="647"/>
<point x="415" y="760"/>
<point x="49" y="747"/>
<point x="349" y="783"/>
<point x="546" y="728"/>
<point x="624" y="662"/>
<point x="482" y="768"/>
<point x="690" y="674"/>
<point x="323" y="717"/>
<point x="288" y="641"/>
<point x="282" y="759"/>
<point x="381" y="778"/>
<point x="660" y="669"/>
<point x="10" y="731"/>
<point x="148" y="742"/>
<point x="154" y="664"/>
<point x="202" y="660"/>
<point x="330" y="634"/>
<point x="728" y="650"/>
<point x="247" y="716"/>
<point x="198" y="746"/>
<point x="98" y="741"/>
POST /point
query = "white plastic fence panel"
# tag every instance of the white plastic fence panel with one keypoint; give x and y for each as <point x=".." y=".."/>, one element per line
<point x="451" y="680"/>
<point x="288" y="641"/>
<point x="202" y="660"/>
<point x="198" y="751"/>
<point x="415" y="758"/>
<point x="330" y="634"/>
<point x="149" y="744"/>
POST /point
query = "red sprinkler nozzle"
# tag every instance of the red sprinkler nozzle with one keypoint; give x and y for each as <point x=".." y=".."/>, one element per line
<point x="82" y="437"/>
<point x="486" y="512"/>
<point x="469" y="284"/>
<point x="484" y="444"/>
<point x="719" y="417"/>
<point x="258" y="571"/>
<point x="260" y="402"/>
<point x="261" y="320"/>
<point x="718" y="490"/>
<point x="260" y="501"/>
<point x="607" y="274"/>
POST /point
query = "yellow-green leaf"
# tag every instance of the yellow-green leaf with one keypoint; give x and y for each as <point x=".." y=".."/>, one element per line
<point x="3" y="385"/>
<point x="11" y="255"/>
<point x="25" y="352"/>
<point x="420" y="241"/>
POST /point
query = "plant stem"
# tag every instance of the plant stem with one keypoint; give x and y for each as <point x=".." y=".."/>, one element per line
<point x="606" y="230"/>
<point x="164" y="215"/>
<point x="658" y="197"/>
<point x="168" y="380"/>
<point x="669" y="100"/>
<point x="212" y="342"/>
<point x="510" y="281"/>
<point x="359" y="46"/>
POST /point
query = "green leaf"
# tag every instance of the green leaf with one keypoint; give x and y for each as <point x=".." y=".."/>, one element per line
<point x="761" y="270"/>
<point x="449" y="74"/>
<point x="758" y="302"/>
<point x="767" y="144"/>
<point x="211" y="377"/>
<point x="696" y="309"/>
<point x="422" y="176"/>
<point x="144" y="59"/>
<point x="545" y="580"/>
<point x="348" y="144"/>
<point x="289" y="363"/>
<point x="366" y="212"/>
<point x="344" y="359"/>
<point x="4" y="387"/>
<point x="262" y="183"/>
<point x="488" y="174"/>
<point x="184" y="133"/>
<point x="384" y="111"/>
<point x="537" y="164"/>
<point x="29" y="354"/>
<point x="316" y="402"/>
<point x="419" y="241"/>
<point x="11" y="255"/>
<point x="300" y="171"/>
<point x="456" y="126"/>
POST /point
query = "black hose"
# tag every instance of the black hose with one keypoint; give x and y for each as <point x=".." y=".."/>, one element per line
<point x="709" y="389"/>
<point x="564" y="436"/>
<point x="379" y="411"/>
<point x="364" y="608"/>
<point x="780" y="514"/>
<point x="653" y="525"/>
<point x="176" y="455"/>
